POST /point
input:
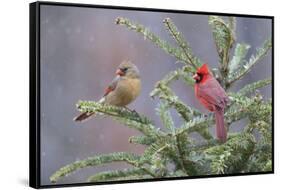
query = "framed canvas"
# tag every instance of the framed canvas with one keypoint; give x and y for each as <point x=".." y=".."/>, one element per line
<point x="122" y="94"/>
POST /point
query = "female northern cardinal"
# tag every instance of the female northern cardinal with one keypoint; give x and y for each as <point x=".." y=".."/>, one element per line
<point x="212" y="96"/>
<point x="124" y="88"/>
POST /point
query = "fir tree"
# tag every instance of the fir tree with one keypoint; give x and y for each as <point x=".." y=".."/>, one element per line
<point x="249" y="150"/>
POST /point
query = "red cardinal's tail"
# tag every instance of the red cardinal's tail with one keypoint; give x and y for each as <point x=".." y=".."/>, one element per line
<point x="220" y="129"/>
<point x="83" y="116"/>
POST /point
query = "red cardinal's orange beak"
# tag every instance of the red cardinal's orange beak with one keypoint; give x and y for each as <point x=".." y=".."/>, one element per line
<point x="196" y="77"/>
<point x="119" y="72"/>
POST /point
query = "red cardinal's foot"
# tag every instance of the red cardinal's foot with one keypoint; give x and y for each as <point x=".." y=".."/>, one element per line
<point x="209" y="115"/>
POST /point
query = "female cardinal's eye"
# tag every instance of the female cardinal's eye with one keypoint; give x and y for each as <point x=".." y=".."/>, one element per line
<point x="124" y="69"/>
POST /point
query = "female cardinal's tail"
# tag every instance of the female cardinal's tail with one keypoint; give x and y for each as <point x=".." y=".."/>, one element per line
<point x="83" y="116"/>
<point x="220" y="129"/>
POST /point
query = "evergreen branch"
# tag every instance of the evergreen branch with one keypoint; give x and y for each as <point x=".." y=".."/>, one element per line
<point x="237" y="60"/>
<point x="224" y="40"/>
<point x="181" y="143"/>
<point x="155" y="156"/>
<point x="186" y="77"/>
<point x="205" y="133"/>
<point x="192" y="60"/>
<point x="185" y="164"/>
<point x="268" y="166"/>
<point x="240" y="102"/>
<point x="134" y="173"/>
<point x="202" y="146"/>
<point x="114" y="111"/>
<point x="130" y="118"/>
<point x="232" y="155"/>
<point x="264" y="129"/>
<point x="156" y="148"/>
<point x="176" y="52"/>
<point x="166" y="94"/>
<point x="170" y="77"/>
<point x="173" y="76"/>
<point x="261" y="111"/>
<point x="165" y="116"/>
<point x="181" y="157"/>
<point x="261" y="52"/>
<point x="261" y="158"/>
<point x="172" y="148"/>
<point x="232" y="25"/>
<point x="161" y="152"/>
<point x="144" y="140"/>
<point x="240" y="108"/>
<point x="95" y="161"/>
<point x="194" y="124"/>
<point x="254" y="86"/>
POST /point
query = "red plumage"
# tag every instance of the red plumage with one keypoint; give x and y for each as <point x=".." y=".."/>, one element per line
<point x="213" y="97"/>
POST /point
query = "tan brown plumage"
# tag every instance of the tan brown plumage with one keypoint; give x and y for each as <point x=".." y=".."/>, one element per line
<point x="123" y="89"/>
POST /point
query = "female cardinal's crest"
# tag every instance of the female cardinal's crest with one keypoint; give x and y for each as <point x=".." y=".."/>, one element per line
<point x="203" y="69"/>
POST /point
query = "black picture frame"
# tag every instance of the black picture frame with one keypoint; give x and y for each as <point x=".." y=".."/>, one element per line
<point x="35" y="94"/>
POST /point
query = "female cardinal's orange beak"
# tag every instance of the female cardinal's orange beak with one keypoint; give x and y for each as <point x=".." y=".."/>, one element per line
<point x="196" y="77"/>
<point x="119" y="72"/>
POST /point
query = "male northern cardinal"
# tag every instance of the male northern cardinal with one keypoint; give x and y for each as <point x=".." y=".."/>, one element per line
<point x="124" y="88"/>
<point x="212" y="96"/>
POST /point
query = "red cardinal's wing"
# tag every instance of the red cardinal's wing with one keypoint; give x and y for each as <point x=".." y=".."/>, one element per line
<point x="212" y="93"/>
<point x="112" y="86"/>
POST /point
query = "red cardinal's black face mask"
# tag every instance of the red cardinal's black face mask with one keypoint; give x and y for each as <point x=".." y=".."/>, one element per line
<point x="197" y="77"/>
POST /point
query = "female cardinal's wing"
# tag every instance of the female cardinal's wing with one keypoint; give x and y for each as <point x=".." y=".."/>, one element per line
<point x="112" y="86"/>
<point x="212" y="92"/>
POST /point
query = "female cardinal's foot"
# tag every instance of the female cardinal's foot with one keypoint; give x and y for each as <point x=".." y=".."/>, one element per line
<point x="133" y="111"/>
<point x="136" y="113"/>
<point x="128" y="109"/>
